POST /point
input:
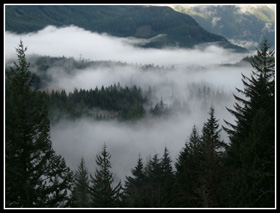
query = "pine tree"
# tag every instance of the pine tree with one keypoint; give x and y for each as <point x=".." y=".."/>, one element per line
<point x="81" y="195"/>
<point x="167" y="181"/>
<point x="134" y="192"/>
<point x="34" y="175"/>
<point x="251" y="155"/>
<point x="151" y="185"/>
<point x="102" y="192"/>
<point x="59" y="182"/>
<point x="212" y="149"/>
<point x="188" y="168"/>
<point x="153" y="182"/>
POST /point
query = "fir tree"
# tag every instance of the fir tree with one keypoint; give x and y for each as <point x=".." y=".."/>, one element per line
<point x="134" y="186"/>
<point x="188" y="169"/>
<point x="34" y="175"/>
<point x="153" y="182"/>
<point x="102" y="192"/>
<point x="81" y="195"/>
<point x="151" y="185"/>
<point x="167" y="181"/>
<point x="212" y="149"/>
<point x="251" y="155"/>
<point x="59" y="182"/>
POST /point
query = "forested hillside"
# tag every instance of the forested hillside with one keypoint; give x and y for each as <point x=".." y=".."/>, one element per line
<point x="176" y="29"/>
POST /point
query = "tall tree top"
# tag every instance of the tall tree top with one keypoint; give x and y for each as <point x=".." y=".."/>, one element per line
<point x="211" y="127"/>
<point x="263" y="62"/>
<point x="20" y="74"/>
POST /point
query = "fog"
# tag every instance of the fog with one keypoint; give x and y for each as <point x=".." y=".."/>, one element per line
<point x="73" y="41"/>
<point x="125" y="141"/>
<point x="182" y="69"/>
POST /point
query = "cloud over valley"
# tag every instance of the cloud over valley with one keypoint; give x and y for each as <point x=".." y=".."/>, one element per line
<point x="172" y="71"/>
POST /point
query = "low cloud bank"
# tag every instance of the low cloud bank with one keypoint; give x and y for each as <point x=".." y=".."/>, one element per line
<point x="74" y="42"/>
<point x="183" y="70"/>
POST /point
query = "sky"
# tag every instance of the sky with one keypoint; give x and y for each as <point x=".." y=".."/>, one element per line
<point x="192" y="68"/>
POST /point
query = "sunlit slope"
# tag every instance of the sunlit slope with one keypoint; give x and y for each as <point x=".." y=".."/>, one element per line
<point x="178" y="30"/>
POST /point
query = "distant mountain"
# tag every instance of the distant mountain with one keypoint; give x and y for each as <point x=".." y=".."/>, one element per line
<point x="175" y="29"/>
<point x="245" y="25"/>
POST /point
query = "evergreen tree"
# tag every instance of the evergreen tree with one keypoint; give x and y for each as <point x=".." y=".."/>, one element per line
<point x="212" y="149"/>
<point x="151" y="185"/>
<point x="134" y="186"/>
<point x="160" y="109"/>
<point x="102" y="192"/>
<point x="81" y="195"/>
<point x="153" y="182"/>
<point x="34" y="175"/>
<point x="199" y="168"/>
<point x="159" y="181"/>
<point x="188" y="169"/>
<point x="167" y="181"/>
<point x="59" y="182"/>
<point x="251" y="155"/>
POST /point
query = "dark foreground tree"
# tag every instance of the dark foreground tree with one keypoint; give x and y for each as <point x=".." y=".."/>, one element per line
<point x="134" y="192"/>
<point x="34" y="175"/>
<point x="103" y="194"/>
<point x="212" y="152"/>
<point x="188" y="169"/>
<point x="251" y="157"/>
<point x="167" y="181"/>
<point x="151" y="185"/>
<point x="81" y="195"/>
<point x="199" y="167"/>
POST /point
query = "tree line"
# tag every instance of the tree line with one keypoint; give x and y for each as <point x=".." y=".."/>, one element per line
<point x="207" y="173"/>
<point x="125" y="102"/>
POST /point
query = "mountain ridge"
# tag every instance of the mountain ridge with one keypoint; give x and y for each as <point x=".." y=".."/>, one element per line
<point x="181" y="30"/>
<point x="245" y="25"/>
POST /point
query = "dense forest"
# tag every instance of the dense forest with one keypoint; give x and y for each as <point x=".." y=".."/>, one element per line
<point x="208" y="172"/>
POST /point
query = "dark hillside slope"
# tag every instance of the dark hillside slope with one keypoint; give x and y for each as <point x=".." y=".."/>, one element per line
<point x="179" y="30"/>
